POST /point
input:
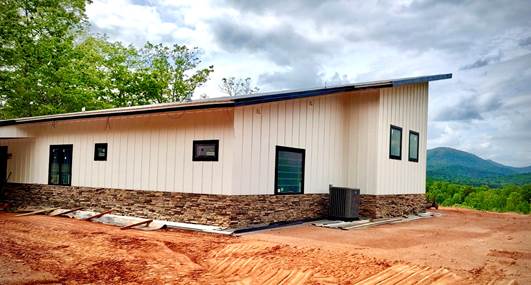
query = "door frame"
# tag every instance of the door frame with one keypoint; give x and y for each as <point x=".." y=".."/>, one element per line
<point x="61" y="147"/>
<point x="3" y="173"/>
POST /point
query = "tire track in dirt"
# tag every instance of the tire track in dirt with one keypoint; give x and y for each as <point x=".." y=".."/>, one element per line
<point x="255" y="271"/>
<point x="404" y="274"/>
<point x="254" y="264"/>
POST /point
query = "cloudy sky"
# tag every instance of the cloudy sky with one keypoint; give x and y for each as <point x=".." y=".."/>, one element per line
<point x="485" y="108"/>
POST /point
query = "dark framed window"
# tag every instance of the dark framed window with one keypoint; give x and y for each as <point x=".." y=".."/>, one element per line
<point x="395" y="143"/>
<point x="289" y="170"/>
<point x="60" y="167"/>
<point x="413" y="146"/>
<point x="206" y="150"/>
<point x="100" y="151"/>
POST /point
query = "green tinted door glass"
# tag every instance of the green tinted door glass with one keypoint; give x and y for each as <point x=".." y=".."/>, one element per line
<point x="290" y="170"/>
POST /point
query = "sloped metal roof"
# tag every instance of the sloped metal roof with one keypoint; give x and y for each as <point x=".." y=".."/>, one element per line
<point x="231" y="101"/>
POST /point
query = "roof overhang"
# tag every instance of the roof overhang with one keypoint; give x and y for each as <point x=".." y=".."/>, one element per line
<point x="224" y="102"/>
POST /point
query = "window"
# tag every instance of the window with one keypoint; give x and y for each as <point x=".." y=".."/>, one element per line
<point x="413" y="146"/>
<point x="60" y="168"/>
<point x="395" y="144"/>
<point x="206" y="150"/>
<point x="289" y="170"/>
<point x="100" y="152"/>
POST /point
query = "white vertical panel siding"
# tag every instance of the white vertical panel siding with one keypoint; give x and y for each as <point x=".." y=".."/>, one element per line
<point x="22" y="152"/>
<point x="362" y="147"/>
<point x="12" y="132"/>
<point x="346" y="138"/>
<point x="314" y="124"/>
<point x="144" y="153"/>
<point x="405" y="107"/>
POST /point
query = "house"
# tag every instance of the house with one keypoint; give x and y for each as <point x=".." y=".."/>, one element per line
<point x="231" y="161"/>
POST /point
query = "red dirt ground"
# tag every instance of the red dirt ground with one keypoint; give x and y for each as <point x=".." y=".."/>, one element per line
<point x="466" y="247"/>
<point x="480" y="246"/>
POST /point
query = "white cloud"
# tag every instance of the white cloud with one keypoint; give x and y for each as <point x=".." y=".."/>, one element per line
<point x="128" y="22"/>
<point x="282" y="44"/>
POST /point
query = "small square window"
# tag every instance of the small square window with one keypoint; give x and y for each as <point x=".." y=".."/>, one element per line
<point x="206" y="150"/>
<point x="100" y="152"/>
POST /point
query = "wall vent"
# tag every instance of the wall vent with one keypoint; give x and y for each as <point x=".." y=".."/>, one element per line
<point x="344" y="203"/>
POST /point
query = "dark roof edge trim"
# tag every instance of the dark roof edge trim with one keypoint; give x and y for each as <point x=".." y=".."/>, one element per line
<point x="305" y="94"/>
<point x="326" y="91"/>
<point x="421" y="79"/>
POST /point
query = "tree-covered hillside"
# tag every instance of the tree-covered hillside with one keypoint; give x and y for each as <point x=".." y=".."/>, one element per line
<point x="462" y="167"/>
<point x="462" y="179"/>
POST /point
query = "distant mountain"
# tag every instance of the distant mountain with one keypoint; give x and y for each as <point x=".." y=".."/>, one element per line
<point x="464" y="167"/>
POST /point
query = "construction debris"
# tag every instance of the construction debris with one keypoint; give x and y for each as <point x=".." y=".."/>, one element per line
<point x="152" y="225"/>
<point x="47" y="210"/>
<point x="146" y="223"/>
<point x="340" y="224"/>
<point x="98" y="215"/>
<point x="26" y="210"/>
<point x="372" y="223"/>
<point x="60" y="212"/>
<point x="365" y="223"/>
<point x="124" y="221"/>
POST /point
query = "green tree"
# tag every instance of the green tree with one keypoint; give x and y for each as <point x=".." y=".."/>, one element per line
<point x="50" y="64"/>
<point x="110" y="71"/>
<point x="37" y="57"/>
<point x="127" y="76"/>
<point x="509" y="198"/>
<point x="170" y="74"/>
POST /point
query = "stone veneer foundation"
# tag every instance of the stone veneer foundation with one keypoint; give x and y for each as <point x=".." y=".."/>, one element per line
<point x="384" y="206"/>
<point x="221" y="210"/>
<point x="231" y="211"/>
